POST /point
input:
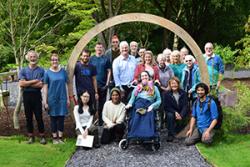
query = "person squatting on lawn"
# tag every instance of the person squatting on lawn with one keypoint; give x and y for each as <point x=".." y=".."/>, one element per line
<point x="56" y="97"/>
<point x="84" y="115"/>
<point x="204" y="117"/>
<point x="31" y="81"/>
<point x="113" y="117"/>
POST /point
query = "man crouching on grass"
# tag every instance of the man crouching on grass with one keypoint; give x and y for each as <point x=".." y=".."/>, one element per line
<point x="204" y="117"/>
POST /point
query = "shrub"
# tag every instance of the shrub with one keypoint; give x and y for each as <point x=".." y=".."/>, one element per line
<point x="238" y="117"/>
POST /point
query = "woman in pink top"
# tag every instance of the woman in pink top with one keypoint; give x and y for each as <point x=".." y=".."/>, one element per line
<point x="148" y="65"/>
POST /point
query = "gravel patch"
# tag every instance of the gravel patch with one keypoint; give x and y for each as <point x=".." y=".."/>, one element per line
<point x="174" y="154"/>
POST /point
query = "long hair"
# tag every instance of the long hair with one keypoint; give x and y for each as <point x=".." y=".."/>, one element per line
<point x="176" y="80"/>
<point x="80" y="104"/>
<point x="152" y="57"/>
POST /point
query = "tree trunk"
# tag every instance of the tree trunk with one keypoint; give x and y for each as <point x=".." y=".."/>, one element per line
<point x="17" y="109"/>
<point x="176" y="42"/>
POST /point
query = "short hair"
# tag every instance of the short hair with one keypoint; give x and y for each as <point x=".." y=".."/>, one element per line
<point x="31" y="52"/>
<point x="161" y="56"/>
<point x="54" y="53"/>
<point x="202" y="85"/>
<point x="99" y="43"/>
<point x="123" y="43"/>
<point x="166" y="51"/>
<point x="86" y="51"/>
<point x="115" y="37"/>
<point x="134" y="43"/>
<point x="208" y="43"/>
<point x="184" y="49"/>
<point x="187" y="57"/>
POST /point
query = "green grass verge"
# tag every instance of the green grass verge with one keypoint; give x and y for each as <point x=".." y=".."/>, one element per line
<point x="15" y="152"/>
<point x="231" y="151"/>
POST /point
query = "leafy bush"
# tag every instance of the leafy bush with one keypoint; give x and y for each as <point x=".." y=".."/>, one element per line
<point x="226" y="53"/>
<point x="238" y="117"/>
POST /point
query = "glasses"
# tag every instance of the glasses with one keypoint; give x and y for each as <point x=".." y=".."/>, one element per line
<point x="114" y="41"/>
<point x="188" y="60"/>
<point x="85" y="96"/>
<point x="208" y="48"/>
<point x="54" y="60"/>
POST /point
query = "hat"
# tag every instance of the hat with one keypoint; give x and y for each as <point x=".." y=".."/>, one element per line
<point x="115" y="89"/>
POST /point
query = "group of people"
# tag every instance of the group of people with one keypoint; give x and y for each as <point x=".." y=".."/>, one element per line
<point x="125" y="76"/>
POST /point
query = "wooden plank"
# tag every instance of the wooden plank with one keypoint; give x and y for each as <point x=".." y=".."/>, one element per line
<point x="136" y="17"/>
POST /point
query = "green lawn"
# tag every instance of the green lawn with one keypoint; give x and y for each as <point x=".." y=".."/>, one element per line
<point x="231" y="151"/>
<point x="15" y="152"/>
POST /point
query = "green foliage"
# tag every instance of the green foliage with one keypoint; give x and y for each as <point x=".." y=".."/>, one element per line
<point x="238" y="117"/>
<point x="231" y="151"/>
<point x="226" y="53"/>
<point x="15" y="152"/>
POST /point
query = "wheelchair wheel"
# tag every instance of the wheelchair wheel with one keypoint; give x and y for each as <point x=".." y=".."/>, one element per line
<point x="123" y="144"/>
<point x="156" y="146"/>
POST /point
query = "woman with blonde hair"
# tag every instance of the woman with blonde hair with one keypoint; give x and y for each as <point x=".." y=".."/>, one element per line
<point x="177" y="66"/>
<point x="149" y="65"/>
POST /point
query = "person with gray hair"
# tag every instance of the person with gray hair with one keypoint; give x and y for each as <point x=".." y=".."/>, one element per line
<point x="190" y="77"/>
<point x="134" y="49"/>
<point x="123" y="71"/>
<point x="183" y="52"/>
<point x="167" y="53"/>
<point x="31" y="81"/>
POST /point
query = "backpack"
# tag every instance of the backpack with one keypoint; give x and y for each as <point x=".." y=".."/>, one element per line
<point x="219" y="108"/>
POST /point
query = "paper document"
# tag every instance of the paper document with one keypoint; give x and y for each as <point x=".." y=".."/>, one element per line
<point x="85" y="142"/>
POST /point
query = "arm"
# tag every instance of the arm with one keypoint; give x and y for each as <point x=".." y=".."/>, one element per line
<point x="167" y="103"/>
<point x="45" y="87"/>
<point x="221" y="71"/>
<point x="192" y="124"/>
<point x="157" y="102"/>
<point x="184" y="106"/>
<point x="108" y="77"/>
<point x="90" y="122"/>
<point x="24" y="83"/>
<point x="122" y="115"/>
<point x="105" y="110"/>
<point x="95" y="87"/>
<point x="77" y="119"/>
<point x="132" y="98"/>
<point x="116" y="73"/>
<point x="137" y="72"/>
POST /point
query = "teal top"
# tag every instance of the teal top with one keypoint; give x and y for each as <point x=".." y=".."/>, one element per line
<point x="156" y="98"/>
<point x="178" y="69"/>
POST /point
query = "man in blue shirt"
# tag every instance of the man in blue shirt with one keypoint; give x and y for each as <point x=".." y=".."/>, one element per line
<point x="85" y="77"/>
<point x="204" y="117"/>
<point x="215" y="66"/>
<point x="123" y="71"/>
<point x="31" y="81"/>
<point x="103" y="68"/>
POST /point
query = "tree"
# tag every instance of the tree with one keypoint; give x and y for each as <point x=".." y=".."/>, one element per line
<point x="24" y="25"/>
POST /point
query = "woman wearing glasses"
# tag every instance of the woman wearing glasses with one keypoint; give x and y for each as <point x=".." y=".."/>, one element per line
<point x="190" y="77"/>
<point x="56" y="97"/>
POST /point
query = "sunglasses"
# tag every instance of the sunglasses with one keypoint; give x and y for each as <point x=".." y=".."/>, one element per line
<point x="188" y="60"/>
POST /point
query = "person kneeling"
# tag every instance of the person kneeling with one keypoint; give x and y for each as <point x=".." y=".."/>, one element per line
<point x="204" y="117"/>
<point x="113" y="116"/>
<point x="84" y="114"/>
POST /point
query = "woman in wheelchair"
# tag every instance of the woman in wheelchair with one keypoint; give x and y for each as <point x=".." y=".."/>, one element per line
<point x="144" y="102"/>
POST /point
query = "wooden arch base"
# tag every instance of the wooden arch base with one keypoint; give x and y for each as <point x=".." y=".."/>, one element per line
<point x="136" y="17"/>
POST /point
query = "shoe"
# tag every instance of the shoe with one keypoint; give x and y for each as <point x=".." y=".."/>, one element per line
<point x="43" y="141"/>
<point x="55" y="141"/>
<point x="31" y="140"/>
<point x="60" y="141"/>
<point x="97" y="145"/>
<point x="170" y="138"/>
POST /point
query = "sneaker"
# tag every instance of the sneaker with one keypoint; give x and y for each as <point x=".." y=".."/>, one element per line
<point x="43" y="140"/>
<point x="31" y="140"/>
<point x="60" y="141"/>
<point x="55" y="141"/>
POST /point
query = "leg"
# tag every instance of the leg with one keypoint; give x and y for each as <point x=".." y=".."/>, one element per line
<point x="93" y="130"/>
<point x="60" y="128"/>
<point x="106" y="136"/>
<point x="102" y="100"/>
<point x="37" y="102"/>
<point x="28" y="113"/>
<point x="119" y="131"/>
<point x="194" y="138"/>
<point x="209" y="140"/>
<point x="171" y="123"/>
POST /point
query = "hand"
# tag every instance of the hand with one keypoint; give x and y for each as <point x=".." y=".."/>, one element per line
<point x="134" y="82"/>
<point x="96" y="96"/>
<point x="85" y="133"/>
<point x="157" y="82"/>
<point x="189" y="133"/>
<point x="128" y="106"/>
<point x="190" y="91"/>
<point x="68" y="103"/>
<point x="206" y="135"/>
<point x="150" y="108"/>
<point x="178" y="116"/>
<point x="46" y="106"/>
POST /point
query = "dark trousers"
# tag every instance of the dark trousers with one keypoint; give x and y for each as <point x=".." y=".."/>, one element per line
<point x="93" y="130"/>
<point x="175" y="126"/>
<point x="114" y="133"/>
<point x="127" y="94"/>
<point x="102" y="99"/>
<point x="33" y="104"/>
<point x="57" y="123"/>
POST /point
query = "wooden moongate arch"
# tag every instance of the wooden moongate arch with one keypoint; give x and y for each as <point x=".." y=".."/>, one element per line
<point x="135" y="17"/>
